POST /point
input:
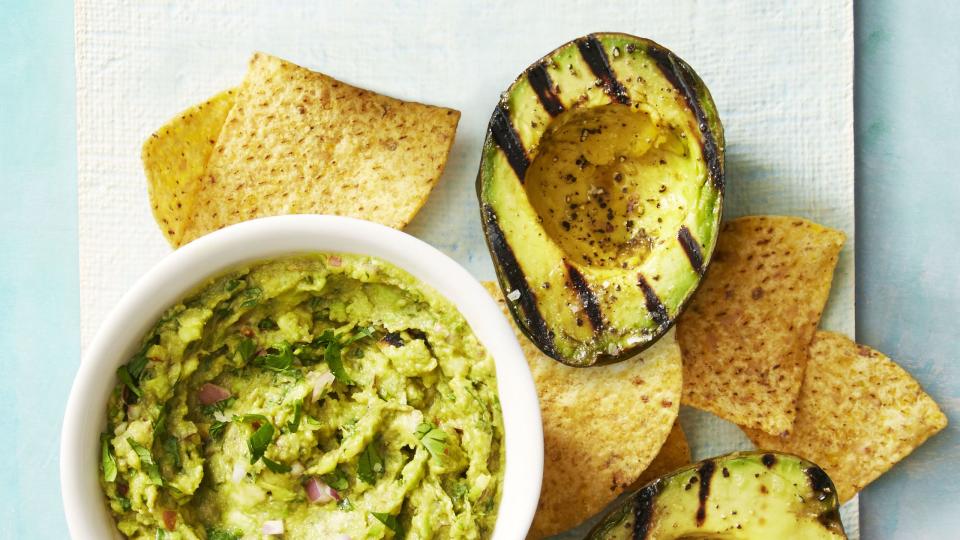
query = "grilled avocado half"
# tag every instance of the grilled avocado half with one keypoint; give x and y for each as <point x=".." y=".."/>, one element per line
<point x="743" y="496"/>
<point x="601" y="188"/>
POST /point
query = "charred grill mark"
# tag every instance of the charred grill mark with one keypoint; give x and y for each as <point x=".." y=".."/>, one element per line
<point x="692" y="248"/>
<point x="769" y="460"/>
<point x="593" y="54"/>
<point x="823" y="490"/>
<point x="643" y="510"/>
<point x="820" y="483"/>
<point x="656" y="308"/>
<point x="705" y="471"/>
<point x="587" y="298"/>
<point x="510" y="270"/>
<point x="830" y="518"/>
<point x="507" y="139"/>
<point x="546" y="91"/>
<point x="680" y="75"/>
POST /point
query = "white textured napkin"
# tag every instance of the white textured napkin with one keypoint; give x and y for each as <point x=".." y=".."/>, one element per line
<point x="781" y="75"/>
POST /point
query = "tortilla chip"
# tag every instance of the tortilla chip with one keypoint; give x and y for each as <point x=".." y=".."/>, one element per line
<point x="745" y="334"/>
<point x="175" y="157"/>
<point x="859" y="414"/>
<point x="674" y="453"/>
<point x="602" y="426"/>
<point x="298" y="142"/>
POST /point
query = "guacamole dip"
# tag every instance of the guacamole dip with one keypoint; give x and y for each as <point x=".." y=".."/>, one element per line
<point x="321" y="396"/>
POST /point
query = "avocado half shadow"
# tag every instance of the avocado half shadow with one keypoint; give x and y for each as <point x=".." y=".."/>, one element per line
<point x="601" y="192"/>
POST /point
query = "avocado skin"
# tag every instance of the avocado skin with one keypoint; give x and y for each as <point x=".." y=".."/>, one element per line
<point x="542" y="311"/>
<point x="744" y="495"/>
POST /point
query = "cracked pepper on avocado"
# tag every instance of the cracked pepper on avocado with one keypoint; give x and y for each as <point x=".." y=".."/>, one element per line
<point x="312" y="397"/>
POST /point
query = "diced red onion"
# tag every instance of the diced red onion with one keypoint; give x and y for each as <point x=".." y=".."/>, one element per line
<point x="334" y="260"/>
<point x="239" y="471"/>
<point x="211" y="393"/>
<point x="169" y="520"/>
<point x="319" y="492"/>
<point x="321" y="383"/>
<point x="343" y="537"/>
<point x="274" y="526"/>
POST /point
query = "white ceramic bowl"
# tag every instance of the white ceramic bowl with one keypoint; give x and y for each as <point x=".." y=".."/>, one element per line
<point x="190" y="266"/>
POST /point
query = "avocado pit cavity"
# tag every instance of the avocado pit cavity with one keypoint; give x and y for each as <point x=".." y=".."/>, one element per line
<point x="602" y="182"/>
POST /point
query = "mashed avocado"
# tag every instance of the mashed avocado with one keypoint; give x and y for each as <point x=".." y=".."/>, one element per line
<point x="324" y="396"/>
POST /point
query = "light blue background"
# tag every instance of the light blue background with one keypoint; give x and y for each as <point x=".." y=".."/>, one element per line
<point x="908" y="268"/>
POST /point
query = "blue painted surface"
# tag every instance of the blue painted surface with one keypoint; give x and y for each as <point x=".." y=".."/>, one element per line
<point x="908" y="278"/>
<point x="39" y="306"/>
<point x="908" y="220"/>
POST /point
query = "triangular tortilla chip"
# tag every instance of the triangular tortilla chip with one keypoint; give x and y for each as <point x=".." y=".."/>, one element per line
<point x="602" y="426"/>
<point x="175" y="158"/>
<point x="859" y="414"/>
<point x="745" y="335"/>
<point x="297" y="142"/>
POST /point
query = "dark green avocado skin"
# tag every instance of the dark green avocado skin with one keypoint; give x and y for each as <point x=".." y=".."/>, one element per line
<point x="542" y="310"/>
<point x="744" y="495"/>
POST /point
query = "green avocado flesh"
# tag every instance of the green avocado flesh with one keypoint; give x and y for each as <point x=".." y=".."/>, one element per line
<point x="741" y="496"/>
<point x="335" y="372"/>
<point x="601" y="188"/>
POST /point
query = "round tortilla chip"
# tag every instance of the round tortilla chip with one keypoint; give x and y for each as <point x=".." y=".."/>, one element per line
<point x="859" y="413"/>
<point x="602" y="426"/>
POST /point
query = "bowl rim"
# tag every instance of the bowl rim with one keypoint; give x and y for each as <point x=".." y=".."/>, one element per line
<point x="274" y="237"/>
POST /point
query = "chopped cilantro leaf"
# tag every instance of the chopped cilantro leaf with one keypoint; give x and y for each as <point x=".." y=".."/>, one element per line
<point x="390" y="521"/>
<point x="135" y="366"/>
<point x="336" y="479"/>
<point x="274" y="466"/>
<point x="363" y="332"/>
<point x="252" y="296"/>
<point x="123" y="373"/>
<point x="279" y="358"/>
<point x="172" y="447"/>
<point x="107" y="461"/>
<point x="232" y="284"/>
<point x="267" y="324"/>
<point x="459" y="491"/>
<point x="250" y="418"/>
<point x="294" y="424"/>
<point x="160" y="424"/>
<point x="246" y="349"/>
<point x="433" y="439"/>
<point x="332" y="357"/>
<point x="146" y="460"/>
<point x="214" y="533"/>
<point x="259" y="441"/>
<point x="370" y="465"/>
<point x="222" y="312"/>
<point x="216" y="428"/>
<point x="218" y="407"/>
